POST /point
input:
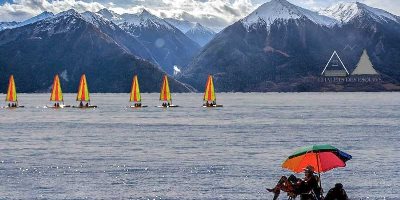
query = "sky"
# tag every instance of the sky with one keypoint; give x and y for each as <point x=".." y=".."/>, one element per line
<point x="212" y="13"/>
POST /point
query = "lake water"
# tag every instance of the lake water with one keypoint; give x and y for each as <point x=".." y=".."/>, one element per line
<point x="190" y="152"/>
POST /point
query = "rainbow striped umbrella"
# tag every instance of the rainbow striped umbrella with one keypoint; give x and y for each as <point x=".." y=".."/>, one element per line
<point x="322" y="157"/>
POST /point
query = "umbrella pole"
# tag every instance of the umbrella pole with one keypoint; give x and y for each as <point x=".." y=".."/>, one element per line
<point x="319" y="173"/>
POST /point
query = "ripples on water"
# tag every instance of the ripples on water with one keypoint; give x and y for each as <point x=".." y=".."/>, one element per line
<point x="195" y="153"/>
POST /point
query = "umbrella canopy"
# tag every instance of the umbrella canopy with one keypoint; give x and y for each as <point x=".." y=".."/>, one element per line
<point x="322" y="157"/>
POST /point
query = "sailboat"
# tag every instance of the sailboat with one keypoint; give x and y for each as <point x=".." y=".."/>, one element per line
<point x="165" y="94"/>
<point x="11" y="97"/>
<point x="209" y="94"/>
<point x="83" y="94"/>
<point x="56" y="95"/>
<point x="135" y="96"/>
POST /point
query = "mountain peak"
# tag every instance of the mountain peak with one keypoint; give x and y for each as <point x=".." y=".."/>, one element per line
<point x="200" y="28"/>
<point x="41" y="16"/>
<point x="200" y="34"/>
<point x="145" y="19"/>
<point x="110" y="15"/>
<point x="282" y="2"/>
<point x="345" y="12"/>
<point x="274" y="10"/>
<point x="70" y="12"/>
<point x="197" y="25"/>
<point x="106" y="13"/>
<point x="145" y="12"/>
<point x="95" y="19"/>
<point x="182" y="25"/>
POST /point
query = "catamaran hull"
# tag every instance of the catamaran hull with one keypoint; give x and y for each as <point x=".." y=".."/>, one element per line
<point x="138" y="106"/>
<point x="84" y="107"/>
<point x="13" y="107"/>
<point x="213" y="106"/>
<point x="170" y="106"/>
<point x="61" y="106"/>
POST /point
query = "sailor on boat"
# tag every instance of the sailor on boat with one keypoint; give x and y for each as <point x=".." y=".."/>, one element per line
<point x="209" y="94"/>
<point x="83" y="94"/>
<point x="56" y="94"/>
<point x="11" y="96"/>
<point x="165" y="94"/>
<point x="135" y="96"/>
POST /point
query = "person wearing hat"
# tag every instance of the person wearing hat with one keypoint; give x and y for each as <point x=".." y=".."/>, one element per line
<point x="295" y="186"/>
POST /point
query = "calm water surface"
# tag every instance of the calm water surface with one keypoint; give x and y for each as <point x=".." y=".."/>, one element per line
<point x="194" y="153"/>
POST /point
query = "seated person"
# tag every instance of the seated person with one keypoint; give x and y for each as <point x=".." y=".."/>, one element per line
<point x="295" y="186"/>
<point x="337" y="193"/>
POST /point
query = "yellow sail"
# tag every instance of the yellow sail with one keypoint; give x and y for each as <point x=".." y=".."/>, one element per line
<point x="165" y="94"/>
<point x="83" y="91"/>
<point x="209" y="94"/>
<point x="12" y="91"/>
<point x="135" y="91"/>
<point x="56" y="92"/>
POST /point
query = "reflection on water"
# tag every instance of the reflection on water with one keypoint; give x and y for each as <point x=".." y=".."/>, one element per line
<point x="191" y="152"/>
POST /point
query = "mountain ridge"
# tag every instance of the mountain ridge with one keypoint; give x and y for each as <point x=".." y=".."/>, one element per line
<point x="288" y="53"/>
<point x="36" y="52"/>
<point x="167" y="44"/>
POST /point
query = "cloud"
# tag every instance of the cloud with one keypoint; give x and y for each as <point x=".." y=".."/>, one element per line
<point x="22" y="9"/>
<point x="392" y="6"/>
<point x="212" y="13"/>
<point x="215" y="14"/>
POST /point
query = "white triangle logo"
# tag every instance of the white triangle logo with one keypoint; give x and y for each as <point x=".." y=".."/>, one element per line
<point x="335" y="67"/>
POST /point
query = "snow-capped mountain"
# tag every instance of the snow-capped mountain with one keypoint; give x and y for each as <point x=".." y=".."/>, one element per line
<point x="345" y="12"/>
<point x="182" y="25"/>
<point x="96" y="19"/>
<point x="42" y="16"/>
<point x="70" y="43"/>
<point x="141" y="19"/>
<point x="282" y="10"/>
<point x="125" y="40"/>
<point x="200" y="34"/>
<point x="145" y="19"/>
<point x="283" y="47"/>
<point x="194" y="30"/>
<point x="9" y="25"/>
<point x="168" y="45"/>
<point x="110" y="15"/>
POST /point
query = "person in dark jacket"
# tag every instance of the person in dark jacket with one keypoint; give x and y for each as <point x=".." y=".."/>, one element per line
<point x="295" y="186"/>
<point x="337" y="193"/>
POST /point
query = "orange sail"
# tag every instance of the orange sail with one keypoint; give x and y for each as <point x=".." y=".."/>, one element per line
<point x="135" y="91"/>
<point x="209" y="94"/>
<point x="165" y="94"/>
<point x="83" y="91"/>
<point x="12" y="91"/>
<point x="56" y="92"/>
